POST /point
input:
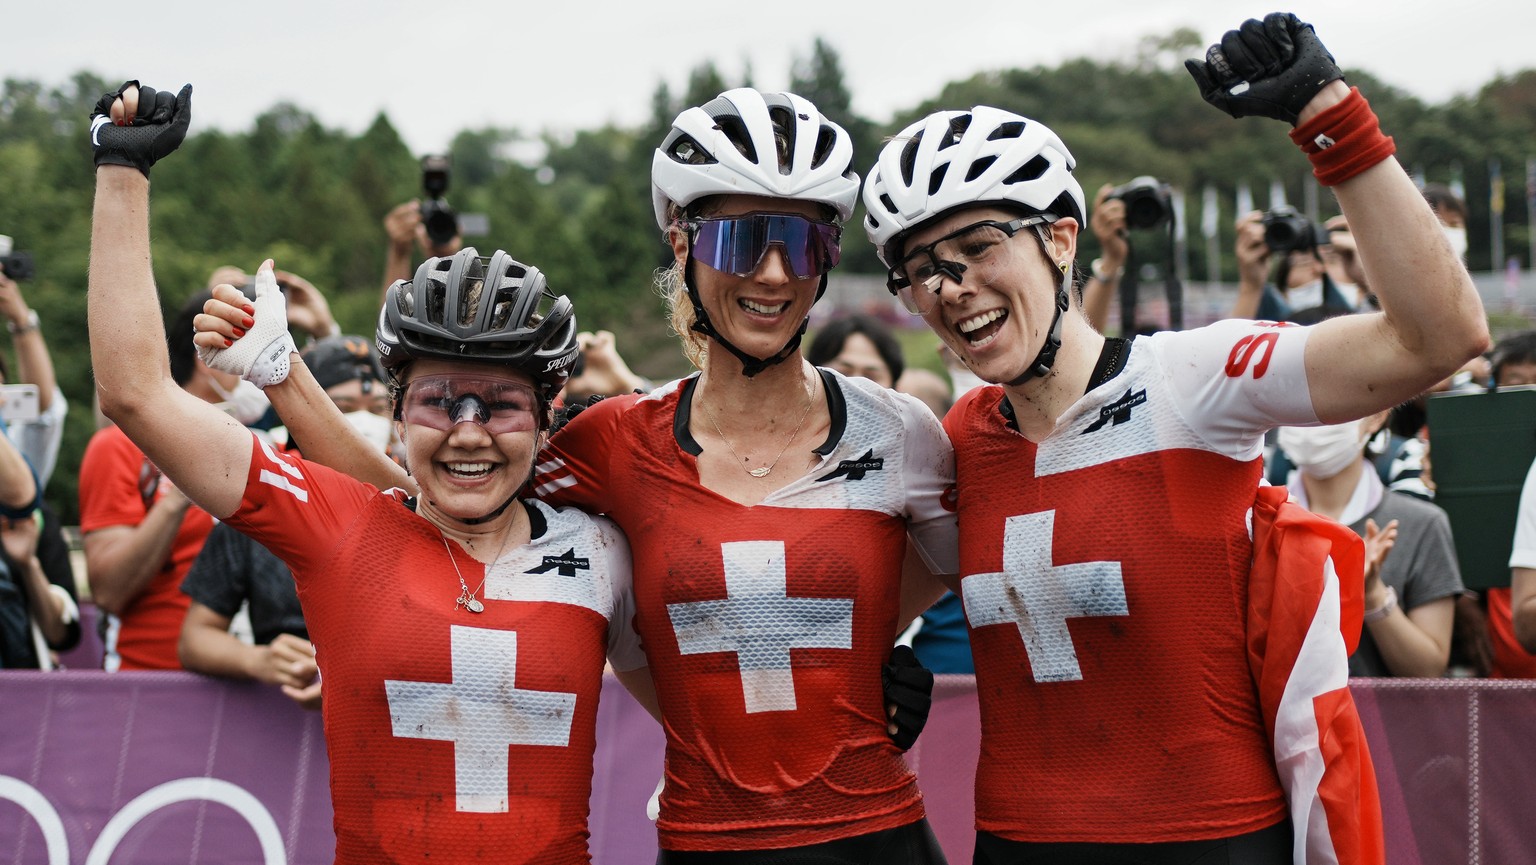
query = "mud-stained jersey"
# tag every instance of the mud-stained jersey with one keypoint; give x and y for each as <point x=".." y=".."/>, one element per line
<point x="453" y="736"/>
<point x="1104" y="577"/>
<point x="766" y="626"/>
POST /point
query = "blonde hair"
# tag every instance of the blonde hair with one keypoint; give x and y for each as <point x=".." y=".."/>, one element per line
<point x="680" y="312"/>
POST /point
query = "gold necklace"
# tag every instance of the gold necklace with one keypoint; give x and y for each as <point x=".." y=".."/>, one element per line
<point x="763" y="471"/>
<point x="466" y="598"/>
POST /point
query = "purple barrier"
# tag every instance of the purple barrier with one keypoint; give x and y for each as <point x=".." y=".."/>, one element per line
<point x="174" y="768"/>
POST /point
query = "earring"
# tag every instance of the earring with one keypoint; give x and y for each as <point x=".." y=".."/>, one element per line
<point x="1063" y="265"/>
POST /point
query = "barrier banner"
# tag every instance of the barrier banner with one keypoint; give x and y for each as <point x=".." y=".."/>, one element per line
<point x="156" y="768"/>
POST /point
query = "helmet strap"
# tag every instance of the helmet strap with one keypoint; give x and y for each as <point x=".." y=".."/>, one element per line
<point x="750" y="365"/>
<point x="485" y="518"/>
<point x="1041" y="365"/>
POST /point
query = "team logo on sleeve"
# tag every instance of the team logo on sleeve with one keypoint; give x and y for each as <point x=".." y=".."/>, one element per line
<point x="854" y="470"/>
<point x="1119" y="411"/>
<point x="567" y="563"/>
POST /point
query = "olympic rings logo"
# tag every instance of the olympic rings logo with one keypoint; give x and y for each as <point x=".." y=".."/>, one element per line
<point x="236" y="798"/>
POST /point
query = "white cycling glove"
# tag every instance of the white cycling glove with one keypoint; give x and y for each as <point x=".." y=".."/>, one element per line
<point x="261" y="356"/>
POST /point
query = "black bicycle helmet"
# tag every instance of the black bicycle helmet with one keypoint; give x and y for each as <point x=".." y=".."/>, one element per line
<point x="470" y="307"/>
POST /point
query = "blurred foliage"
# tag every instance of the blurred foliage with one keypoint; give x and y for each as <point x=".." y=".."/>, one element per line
<point x="579" y="205"/>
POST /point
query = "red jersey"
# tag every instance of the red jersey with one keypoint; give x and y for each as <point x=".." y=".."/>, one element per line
<point x="118" y="485"/>
<point x="453" y="736"/>
<point x="766" y="626"/>
<point x="1105" y="583"/>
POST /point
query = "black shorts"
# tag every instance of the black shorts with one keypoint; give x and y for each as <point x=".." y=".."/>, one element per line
<point x="912" y="844"/>
<point x="1271" y="846"/>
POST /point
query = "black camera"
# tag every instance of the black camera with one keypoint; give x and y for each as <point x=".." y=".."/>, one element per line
<point x="441" y="222"/>
<point x="1148" y="202"/>
<point x="17" y="265"/>
<point x="1286" y="229"/>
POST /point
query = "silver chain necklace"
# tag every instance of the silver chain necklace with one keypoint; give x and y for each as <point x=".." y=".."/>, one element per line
<point x="466" y="598"/>
<point x="763" y="471"/>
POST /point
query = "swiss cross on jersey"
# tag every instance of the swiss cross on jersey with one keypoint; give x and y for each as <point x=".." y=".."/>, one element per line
<point x="1038" y="597"/>
<point x="482" y="712"/>
<point x="759" y="622"/>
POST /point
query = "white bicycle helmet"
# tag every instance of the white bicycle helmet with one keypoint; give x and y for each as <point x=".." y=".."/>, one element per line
<point x="954" y="159"/>
<point x="730" y="145"/>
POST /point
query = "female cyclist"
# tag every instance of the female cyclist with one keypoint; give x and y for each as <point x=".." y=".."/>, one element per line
<point x="1105" y="485"/>
<point x="461" y="669"/>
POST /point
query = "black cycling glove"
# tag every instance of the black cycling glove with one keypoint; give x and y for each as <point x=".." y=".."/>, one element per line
<point x="157" y="129"/>
<point x="908" y="687"/>
<point x="1269" y="68"/>
<point x="568" y="412"/>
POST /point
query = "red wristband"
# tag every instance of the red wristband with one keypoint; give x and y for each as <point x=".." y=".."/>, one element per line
<point x="1344" y="140"/>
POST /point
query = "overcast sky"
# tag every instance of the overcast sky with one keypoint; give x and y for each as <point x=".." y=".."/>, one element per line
<point x="440" y="66"/>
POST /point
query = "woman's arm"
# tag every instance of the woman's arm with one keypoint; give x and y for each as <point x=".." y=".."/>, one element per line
<point x="205" y="452"/>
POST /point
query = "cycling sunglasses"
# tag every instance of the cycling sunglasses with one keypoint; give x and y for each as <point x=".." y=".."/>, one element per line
<point x="737" y="244"/>
<point x="442" y="402"/>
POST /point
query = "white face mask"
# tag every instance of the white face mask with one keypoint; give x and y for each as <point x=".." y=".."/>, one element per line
<point x="1306" y="296"/>
<point x="1323" y="451"/>
<point x="376" y="429"/>
<point x="1458" y="239"/>
<point x="246" y="403"/>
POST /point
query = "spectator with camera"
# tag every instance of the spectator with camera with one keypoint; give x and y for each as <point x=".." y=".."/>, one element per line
<point x="34" y="416"/>
<point x="1302" y="291"/>
<point x="428" y="225"/>
<point x="1142" y="204"/>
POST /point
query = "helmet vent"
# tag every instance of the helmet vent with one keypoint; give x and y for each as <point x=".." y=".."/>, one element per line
<point x="936" y="179"/>
<point x="825" y="139"/>
<point x="736" y="132"/>
<point x="470" y="294"/>
<point x="979" y="167"/>
<point x="688" y="152"/>
<point x="887" y="203"/>
<point x="957" y="127"/>
<point x="1031" y="170"/>
<point x="783" y="135"/>
<point x="909" y="159"/>
<point x="1011" y="129"/>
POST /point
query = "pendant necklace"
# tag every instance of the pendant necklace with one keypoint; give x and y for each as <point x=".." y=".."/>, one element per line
<point x="466" y="598"/>
<point x="763" y="471"/>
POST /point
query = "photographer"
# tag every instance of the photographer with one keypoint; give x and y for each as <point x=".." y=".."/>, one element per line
<point x="1302" y="290"/>
<point x="423" y="225"/>
<point x="1143" y="204"/>
<point x="38" y="437"/>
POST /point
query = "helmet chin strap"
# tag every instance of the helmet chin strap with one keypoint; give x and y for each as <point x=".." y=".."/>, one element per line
<point x="1041" y="365"/>
<point x="750" y="365"/>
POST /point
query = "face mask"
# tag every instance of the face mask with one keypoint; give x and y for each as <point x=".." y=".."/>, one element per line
<point x="1458" y="240"/>
<point x="1351" y="294"/>
<point x="246" y="403"/>
<point x="1306" y="296"/>
<point x="375" y="428"/>
<point x="1323" y="451"/>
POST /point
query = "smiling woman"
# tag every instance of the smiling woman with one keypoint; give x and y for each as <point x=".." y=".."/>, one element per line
<point x="1108" y="489"/>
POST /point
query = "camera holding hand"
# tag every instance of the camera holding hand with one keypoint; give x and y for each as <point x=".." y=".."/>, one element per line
<point x="1148" y="202"/>
<point x="1286" y="229"/>
<point x="441" y="223"/>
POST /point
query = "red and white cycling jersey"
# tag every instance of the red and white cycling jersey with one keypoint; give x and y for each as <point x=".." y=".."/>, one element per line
<point x="1105" y="576"/>
<point x="453" y="736"/>
<point x="766" y="626"/>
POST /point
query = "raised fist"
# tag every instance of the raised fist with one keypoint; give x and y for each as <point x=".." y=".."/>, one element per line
<point x="137" y="126"/>
<point x="1269" y="68"/>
